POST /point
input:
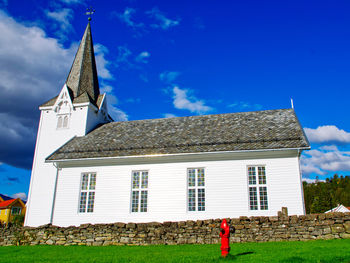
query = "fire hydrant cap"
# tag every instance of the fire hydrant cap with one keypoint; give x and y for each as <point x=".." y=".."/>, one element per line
<point x="224" y="223"/>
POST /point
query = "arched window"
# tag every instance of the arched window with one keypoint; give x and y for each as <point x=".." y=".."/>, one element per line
<point x="59" y="122"/>
<point x="65" y="122"/>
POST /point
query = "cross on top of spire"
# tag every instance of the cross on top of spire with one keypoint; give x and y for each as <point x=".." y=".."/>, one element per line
<point x="89" y="11"/>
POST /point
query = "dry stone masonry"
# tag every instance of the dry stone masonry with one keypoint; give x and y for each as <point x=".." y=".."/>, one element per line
<point x="252" y="229"/>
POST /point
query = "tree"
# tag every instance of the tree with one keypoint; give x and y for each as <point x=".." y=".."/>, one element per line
<point x="322" y="196"/>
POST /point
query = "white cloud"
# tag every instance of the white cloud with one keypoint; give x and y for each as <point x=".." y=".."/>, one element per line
<point x="101" y="61"/>
<point x="163" y="22"/>
<point x="22" y="196"/>
<point x="124" y="56"/>
<point x="126" y="17"/>
<point x="329" y="148"/>
<point x="41" y="60"/>
<point x="169" y="115"/>
<point x="111" y="98"/>
<point x="325" y="160"/>
<point x="327" y="133"/>
<point x="143" y="57"/>
<point x="309" y="167"/>
<point x="63" y="18"/>
<point x="73" y="1"/>
<point x="33" y="68"/>
<point x="112" y="102"/>
<point x="312" y="181"/>
<point x="169" y="76"/>
<point x="126" y="59"/>
<point x="184" y="102"/>
<point x="117" y="114"/>
<point x="243" y="105"/>
<point x="15" y="131"/>
<point x="43" y="65"/>
<point x="106" y="89"/>
<point x="133" y="100"/>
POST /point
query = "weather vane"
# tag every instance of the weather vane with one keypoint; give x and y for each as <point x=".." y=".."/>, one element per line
<point x="89" y="11"/>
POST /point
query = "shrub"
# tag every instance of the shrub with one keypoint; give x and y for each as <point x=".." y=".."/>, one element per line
<point x="18" y="220"/>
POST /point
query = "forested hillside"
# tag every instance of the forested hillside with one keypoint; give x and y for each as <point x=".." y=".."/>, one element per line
<point x="322" y="196"/>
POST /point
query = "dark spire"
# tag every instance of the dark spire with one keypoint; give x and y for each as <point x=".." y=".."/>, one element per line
<point x="83" y="74"/>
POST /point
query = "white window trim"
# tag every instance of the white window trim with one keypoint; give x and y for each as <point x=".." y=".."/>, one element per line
<point x="139" y="190"/>
<point x="257" y="185"/>
<point x="87" y="191"/>
<point x="196" y="190"/>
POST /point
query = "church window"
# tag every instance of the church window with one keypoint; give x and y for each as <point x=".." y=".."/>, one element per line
<point x="257" y="188"/>
<point x="87" y="192"/>
<point x="62" y="121"/>
<point x="196" y="189"/>
<point x="65" y="122"/>
<point x="139" y="195"/>
<point x="59" y="122"/>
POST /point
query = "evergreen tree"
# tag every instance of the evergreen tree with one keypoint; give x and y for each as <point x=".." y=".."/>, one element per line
<point x="322" y="196"/>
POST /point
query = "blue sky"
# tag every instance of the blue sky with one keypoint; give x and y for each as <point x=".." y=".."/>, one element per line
<point x="178" y="58"/>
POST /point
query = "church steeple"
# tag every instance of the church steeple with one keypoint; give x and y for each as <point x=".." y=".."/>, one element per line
<point x="75" y="111"/>
<point x="83" y="74"/>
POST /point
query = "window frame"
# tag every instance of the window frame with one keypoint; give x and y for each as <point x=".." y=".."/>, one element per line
<point x="196" y="188"/>
<point x="139" y="191"/>
<point x="258" y="185"/>
<point x="87" y="191"/>
<point x="16" y="207"/>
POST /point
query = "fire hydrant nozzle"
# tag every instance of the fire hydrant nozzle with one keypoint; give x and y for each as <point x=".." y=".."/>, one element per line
<point x="225" y="238"/>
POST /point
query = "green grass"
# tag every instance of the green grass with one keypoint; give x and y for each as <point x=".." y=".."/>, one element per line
<point x="296" y="251"/>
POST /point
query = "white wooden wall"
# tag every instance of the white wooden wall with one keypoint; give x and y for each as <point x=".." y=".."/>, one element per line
<point x="226" y="190"/>
<point x="42" y="184"/>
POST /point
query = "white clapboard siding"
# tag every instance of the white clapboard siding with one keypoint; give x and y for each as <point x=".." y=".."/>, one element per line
<point x="49" y="139"/>
<point x="226" y="191"/>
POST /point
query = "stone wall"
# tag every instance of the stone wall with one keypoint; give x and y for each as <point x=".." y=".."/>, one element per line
<point x="252" y="229"/>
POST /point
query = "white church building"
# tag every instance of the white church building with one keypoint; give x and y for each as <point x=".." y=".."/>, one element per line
<point x="89" y="169"/>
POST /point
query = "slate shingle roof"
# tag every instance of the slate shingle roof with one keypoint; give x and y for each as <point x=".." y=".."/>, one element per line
<point x="83" y="74"/>
<point x="82" y="80"/>
<point x="273" y="129"/>
<point x="50" y="102"/>
<point x="81" y="99"/>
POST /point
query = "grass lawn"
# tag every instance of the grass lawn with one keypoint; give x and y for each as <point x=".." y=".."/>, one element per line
<point x="296" y="251"/>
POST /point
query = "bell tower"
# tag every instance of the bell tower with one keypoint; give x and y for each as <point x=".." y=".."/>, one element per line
<point x="78" y="109"/>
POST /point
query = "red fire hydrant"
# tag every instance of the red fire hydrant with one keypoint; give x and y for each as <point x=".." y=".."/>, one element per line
<point x="225" y="238"/>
